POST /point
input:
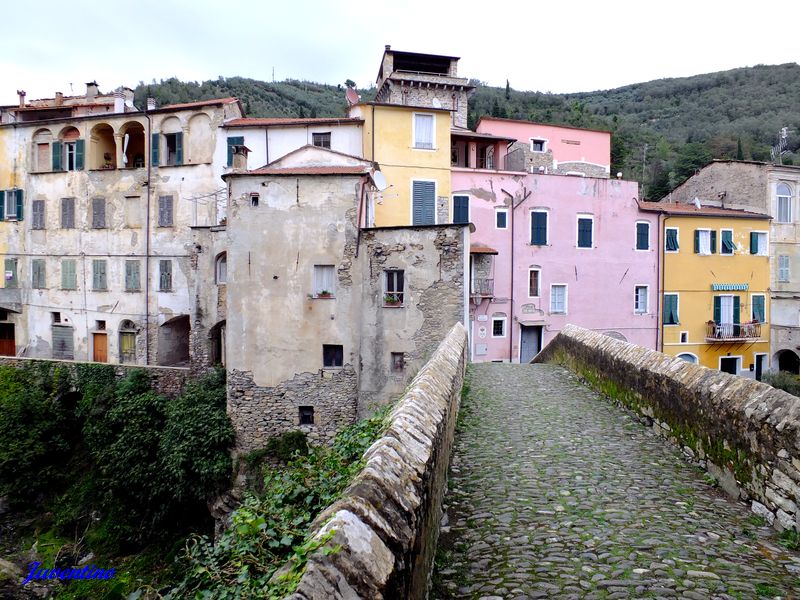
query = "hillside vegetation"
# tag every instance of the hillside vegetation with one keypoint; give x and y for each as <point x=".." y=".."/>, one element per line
<point x="663" y="130"/>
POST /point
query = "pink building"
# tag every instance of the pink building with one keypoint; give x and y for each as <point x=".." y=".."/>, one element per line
<point x="583" y="253"/>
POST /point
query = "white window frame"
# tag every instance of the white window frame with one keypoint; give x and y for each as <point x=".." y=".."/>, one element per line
<point x="496" y="212"/>
<point x="503" y="320"/>
<point x="722" y="246"/>
<point x="677" y="237"/>
<point x="763" y="250"/>
<point x="636" y="309"/>
<point x="789" y="202"/>
<point x="680" y="338"/>
<point x="316" y="292"/>
<point x="788" y="268"/>
<point x="414" y="132"/>
<point x="387" y="273"/>
<point x="692" y="354"/>
<point x="546" y="213"/>
<point x="453" y="205"/>
<point x="10" y="199"/>
<point x="544" y="141"/>
<point x="538" y="282"/>
<point x="636" y="236"/>
<point x="220" y="276"/>
<point x="578" y="218"/>
<point x="701" y="231"/>
<point x="764" y="296"/>
<point x="566" y="299"/>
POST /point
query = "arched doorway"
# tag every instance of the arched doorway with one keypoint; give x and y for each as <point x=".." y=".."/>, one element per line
<point x="127" y="342"/>
<point x="788" y="361"/>
<point x="217" y="335"/>
<point x="173" y="342"/>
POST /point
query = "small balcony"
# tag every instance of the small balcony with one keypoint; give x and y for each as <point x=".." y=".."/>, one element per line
<point x="482" y="287"/>
<point x="732" y="332"/>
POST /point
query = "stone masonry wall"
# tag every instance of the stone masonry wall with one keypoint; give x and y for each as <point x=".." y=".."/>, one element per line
<point x="387" y="522"/>
<point x="745" y="433"/>
<point x="168" y="381"/>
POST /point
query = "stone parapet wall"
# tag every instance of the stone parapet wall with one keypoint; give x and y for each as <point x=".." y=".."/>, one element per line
<point x="168" y="381"/>
<point x="745" y="433"/>
<point x="387" y="522"/>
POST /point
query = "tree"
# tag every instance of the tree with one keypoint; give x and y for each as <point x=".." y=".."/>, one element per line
<point x="350" y="83"/>
<point x="739" y="151"/>
<point x="508" y="90"/>
<point x="691" y="158"/>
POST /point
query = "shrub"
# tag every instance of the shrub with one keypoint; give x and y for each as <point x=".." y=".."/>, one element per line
<point x="783" y="380"/>
<point x="284" y="446"/>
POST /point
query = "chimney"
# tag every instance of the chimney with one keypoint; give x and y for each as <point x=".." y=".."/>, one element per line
<point x="128" y="94"/>
<point x="151" y="104"/>
<point x="59" y="99"/>
<point x="240" y="152"/>
<point x="388" y="47"/>
<point x="91" y="90"/>
<point x="119" y="101"/>
<point x="21" y="94"/>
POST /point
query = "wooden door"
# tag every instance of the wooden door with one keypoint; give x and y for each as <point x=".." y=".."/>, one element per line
<point x="100" y="347"/>
<point x="7" y="344"/>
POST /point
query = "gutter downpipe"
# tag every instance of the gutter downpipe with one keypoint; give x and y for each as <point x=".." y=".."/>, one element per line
<point x="660" y="266"/>
<point x="147" y="245"/>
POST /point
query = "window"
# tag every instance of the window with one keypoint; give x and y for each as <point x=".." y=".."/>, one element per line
<point x="423" y="202"/>
<point x="498" y="327"/>
<point x="538" y="145"/>
<point x="55" y="317"/>
<point x="757" y="304"/>
<point x="165" y="276"/>
<point x="727" y="247"/>
<point x="783" y="195"/>
<point x="423" y="131"/>
<point x="324" y="281"/>
<point x="397" y="362"/>
<point x="671" y="309"/>
<point x="69" y="279"/>
<point x="534" y="280"/>
<point x="100" y="325"/>
<point x="640" y="299"/>
<point x="306" y="415"/>
<point x="174" y="148"/>
<point x="37" y="214"/>
<point x="68" y="213"/>
<point x="11" y="273"/>
<point x="254" y="200"/>
<point x="501" y="218"/>
<point x="132" y="277"/>
<point x="558" y="299"/>
<point x="38" y="280"/>
<point x="233" y="141"/>
<point x="539" y="228"/>
<point x="727" y="310"/>
<point x="165" y="211"/>
<point x="585" y="226"/>
<point x="684" y="337"/>
<point x="671" y="240"/>
<point x="99" y="282"/>
<point x="758" y="243"/>
<point x="783" y="267"/>
<point x="394" y="291"/>
<point x="705" y="241"/>
<point x="642" y="236"/>
<point x="322" y="140"/>
<point x="11" y="206"/>
<point x="460" y="209"/>
<point x="127" y="344"/>
<point x="98" y="213"/>
<point x="69" y="152"/>
<point x="221" y="269"/>
<point x="332" y="355"/>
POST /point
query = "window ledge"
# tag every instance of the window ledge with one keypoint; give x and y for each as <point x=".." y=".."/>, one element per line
<point x="317" y="297"/>
<point x="425" y="149"/>
<point x="393" y="305"/>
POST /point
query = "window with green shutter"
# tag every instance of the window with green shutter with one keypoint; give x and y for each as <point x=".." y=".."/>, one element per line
<point x="38" y="279"/>
<point x="235" y="141"/>
<point x="173" y="143"/>
<point x="99" y="282"/>
<point x="671" y="240"/>
<point x="758" y="312"/>
<point x="585" y="232"/>
<point x="69" y="279"/>
<point x="155" y="141"/>
<point x="671" y="309"/>
<point x="132" y="279"/>
<point x="68" y="213"/>
<point x="165" y="275"/>
<point x="727" y="246"/>
<point x="539" y="228"/>
<point x="11" y="205"/>
<point x="37" y="214"/>
<point x="165" y="211"/>
<point x="643" y="236"/>
<point x="423" y="202"/>
<point x="460" y="209"/>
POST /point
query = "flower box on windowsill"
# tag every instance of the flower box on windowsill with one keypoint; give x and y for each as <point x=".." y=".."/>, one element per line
<point x="392" y="301"/>
<point x="324" y="294"/>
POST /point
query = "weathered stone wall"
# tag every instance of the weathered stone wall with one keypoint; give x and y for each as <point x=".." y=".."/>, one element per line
<point x="745" y="433"/>
<point x="729" y="184"/>
<point x="168" y="381"/>
<point x="387" y="522"/>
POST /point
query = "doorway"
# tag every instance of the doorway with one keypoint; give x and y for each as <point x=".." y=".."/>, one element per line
<point x="530" y="342"/>
<point x="729" y="364"/>
<point x="100" y="347"/>
<point x="7" y="342"/>
<point x="760" y="358"/>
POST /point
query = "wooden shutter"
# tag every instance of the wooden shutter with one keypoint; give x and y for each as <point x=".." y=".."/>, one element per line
<point x="713" y="241"/>
<point x="99" y="274"/>
<point x="165" y="279"/>
<point x="67" y="213"/>
<point x="58" y="160"/>
<point x="165" y="211"/>
<point x="758" y="308"/>
<point x="460" y="209"/>
<point x="642" y="236"/>
<point x="63" y="344"/>
<point x="424" y="203"/>
<point x="736" y="310"/>
<point x="131" y="275"/>
<point x="233" y="141"/>
<point x="98" y="213"/>
<point x="154" y="150"/>
<point x="753" y="242"/>
<point x="68" y="277"/>
<point x="584" y="233"/>
<point x="37" y="273"/>
<point x="20" y="204"/>
<point x="717" y="310"/>
<point x="11" y="267"/>
<point x="697" y="241"/>
<point x="179" y="148"/>
<point x="2" y="205"/>
<point x="80" y="151"/>
<point x="538" y="228"/>
<point x="38" y="214"/>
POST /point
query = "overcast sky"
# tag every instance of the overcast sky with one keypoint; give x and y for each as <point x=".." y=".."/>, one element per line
<point x="565" y="46"/>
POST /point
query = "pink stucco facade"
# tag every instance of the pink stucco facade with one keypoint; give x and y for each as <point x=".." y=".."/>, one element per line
<point x="600" y="281"/>
<point x="568" y="144"/>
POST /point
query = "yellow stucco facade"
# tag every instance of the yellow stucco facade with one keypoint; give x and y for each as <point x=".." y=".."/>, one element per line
<point x="715" y="301"/>
<point x="391" y="140"/>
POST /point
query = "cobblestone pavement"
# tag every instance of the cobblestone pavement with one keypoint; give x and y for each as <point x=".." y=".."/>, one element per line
<point x="556" y="493"/>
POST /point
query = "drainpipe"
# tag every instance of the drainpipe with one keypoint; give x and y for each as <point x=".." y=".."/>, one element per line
<point x="511" y="299"/>
<point x="660" y="273"/>
<point x="147" y="244"/>
<point x="360" y="208"/>
<point x="266" y="143"/>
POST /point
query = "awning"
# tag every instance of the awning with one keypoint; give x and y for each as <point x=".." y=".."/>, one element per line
<point x="481" y="249"/>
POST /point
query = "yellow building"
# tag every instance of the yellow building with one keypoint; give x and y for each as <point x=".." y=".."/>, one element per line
<point x="715" y="275"/>
<point x="412" y="148"/>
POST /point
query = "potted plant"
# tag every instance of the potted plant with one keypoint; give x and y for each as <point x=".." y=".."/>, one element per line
<point x="392" y="299"/>
<point x="325" y="294"/>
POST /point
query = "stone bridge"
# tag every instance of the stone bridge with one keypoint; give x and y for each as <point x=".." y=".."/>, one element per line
<point x="604" y="471"/>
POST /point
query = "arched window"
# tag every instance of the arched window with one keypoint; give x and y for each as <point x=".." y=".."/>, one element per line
<point x="41" y="150"/>
<point x="103" y="147"/>
<point x="688" y="357"/>
<point x="68" y="151"/>
<point x="222" y="268"/>
<point x="783" y="196"/>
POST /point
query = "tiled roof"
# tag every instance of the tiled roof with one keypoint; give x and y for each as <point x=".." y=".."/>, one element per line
<point x="332" y="170"/>
<point x="690" y="210"/>
<point x="481" y="249"/>
<point x="290" y="121"/>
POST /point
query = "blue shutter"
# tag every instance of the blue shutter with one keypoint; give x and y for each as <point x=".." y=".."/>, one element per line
<point x="584" y="233"/>
<point x="460" y="209"/>
<point x="538" y="228"/>
<point x="179" y="148"/>
<point x="642" y="236"/>
<point x="58" y="161"/>
<point x="154" y="150"/>
<point x="80" y="151"/>
<point x="424" y="203"/>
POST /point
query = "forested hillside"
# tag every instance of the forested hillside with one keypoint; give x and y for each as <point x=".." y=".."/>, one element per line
<point x="663" y="130"/>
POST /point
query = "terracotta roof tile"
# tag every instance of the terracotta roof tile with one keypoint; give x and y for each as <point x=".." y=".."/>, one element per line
<point x="689" y="210"/>
<point x="290" y="121"/>
<point x="350" y="170"/>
